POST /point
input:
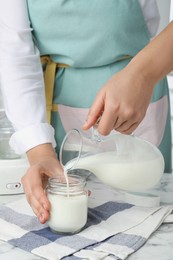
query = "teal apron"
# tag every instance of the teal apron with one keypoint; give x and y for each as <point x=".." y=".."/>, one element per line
<point x="93" y="37"/>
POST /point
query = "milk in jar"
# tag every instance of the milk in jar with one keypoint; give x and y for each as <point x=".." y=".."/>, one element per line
<point x="69" y="204"/>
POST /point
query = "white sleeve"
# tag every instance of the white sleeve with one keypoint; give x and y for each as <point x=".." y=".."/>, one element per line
<point x="22" y="79"/>
<point x="151" y="15"/>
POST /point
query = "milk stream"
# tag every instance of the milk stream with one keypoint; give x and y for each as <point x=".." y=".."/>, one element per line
<point x="124" y="172"/>
<point x="67" y="180"/>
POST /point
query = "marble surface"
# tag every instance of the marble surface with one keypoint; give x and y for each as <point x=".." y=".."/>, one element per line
<point x="158" y="247"/>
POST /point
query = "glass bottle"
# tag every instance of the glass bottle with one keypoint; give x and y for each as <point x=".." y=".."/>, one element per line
<point x="69" y="204"/>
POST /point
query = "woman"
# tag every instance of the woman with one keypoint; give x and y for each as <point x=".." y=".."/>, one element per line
<point x="91" y="41"/>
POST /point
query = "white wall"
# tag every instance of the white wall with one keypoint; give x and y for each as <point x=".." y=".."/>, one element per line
<point x="171" y="10"/>
<point x="1" y="102"/>
<point x="166" y="13"/>
<point x="164" y="9"/>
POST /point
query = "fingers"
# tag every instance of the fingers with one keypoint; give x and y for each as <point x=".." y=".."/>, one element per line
<point x="40" y="205"/>
<point x="126" y="129"/>
<point x="107" y="121"/>
<point x="123" y="120"/>
<point x="36" y="197"/>
<point x="114" y="116"/>
<point x="129" y="121"/>
<point x="35" y="181"/>
<point x="122" y="101"/>
<point x="95" y="111"/>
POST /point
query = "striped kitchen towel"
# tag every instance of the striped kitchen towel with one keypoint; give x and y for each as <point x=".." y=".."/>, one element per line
<point x="114" y="230"/>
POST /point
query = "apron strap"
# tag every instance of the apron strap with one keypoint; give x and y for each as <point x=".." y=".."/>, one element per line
<point x="49" y="79"/>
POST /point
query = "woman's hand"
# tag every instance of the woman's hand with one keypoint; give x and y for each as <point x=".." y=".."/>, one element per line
<point x="44" y="164"/>
<point x="122" y="102"/>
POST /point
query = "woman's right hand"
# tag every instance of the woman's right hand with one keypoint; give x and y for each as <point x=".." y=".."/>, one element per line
<point x="43" y="164"/>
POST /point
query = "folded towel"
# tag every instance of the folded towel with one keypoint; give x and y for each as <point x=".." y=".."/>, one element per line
<point x="114" y="230"/>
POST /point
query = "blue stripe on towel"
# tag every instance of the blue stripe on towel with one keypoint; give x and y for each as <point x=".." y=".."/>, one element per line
<point x="95" y="216"/>
<point x="32" y="241"/>
<point x="29" y="241"/>
<point x="104" y="211"/>
<point x="43" y="236"/>
<point x="131" y="241"/>
<point x="73" y="241"/>
<point x="21" y="220"/>
<point x="46" y="233"/>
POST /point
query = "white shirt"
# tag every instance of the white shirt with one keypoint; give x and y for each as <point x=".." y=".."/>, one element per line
<point x="22" y="78"/>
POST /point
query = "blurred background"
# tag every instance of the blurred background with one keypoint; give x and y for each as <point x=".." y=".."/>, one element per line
<point x="166" y="15"/>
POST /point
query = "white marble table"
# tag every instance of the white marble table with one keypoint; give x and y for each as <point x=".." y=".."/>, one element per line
<point x="158" y="247"/>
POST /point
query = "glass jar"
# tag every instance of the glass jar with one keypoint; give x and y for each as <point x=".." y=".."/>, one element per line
<point x="6" y="131"/>
<point x="69" y="204"/>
